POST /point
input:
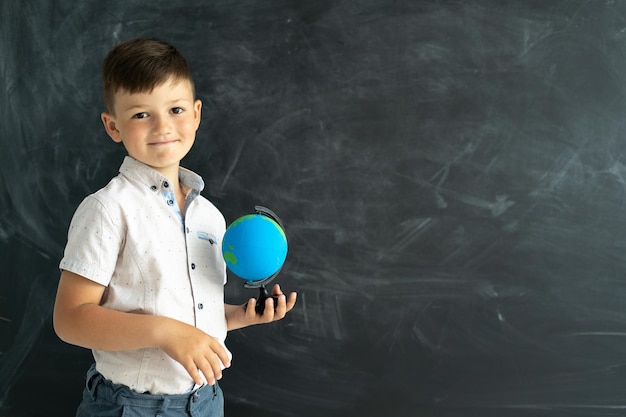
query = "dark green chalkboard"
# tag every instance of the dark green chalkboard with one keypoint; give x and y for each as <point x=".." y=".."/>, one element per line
<point x="451" y="175"/>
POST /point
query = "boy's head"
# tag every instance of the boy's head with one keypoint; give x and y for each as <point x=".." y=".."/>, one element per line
<point x="139" y="65"/>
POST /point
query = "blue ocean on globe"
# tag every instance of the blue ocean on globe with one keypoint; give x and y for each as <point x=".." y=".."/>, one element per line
<point x="254" y="247"/>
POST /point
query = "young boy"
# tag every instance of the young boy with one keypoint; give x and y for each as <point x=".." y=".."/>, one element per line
<point x="142" y="281"/>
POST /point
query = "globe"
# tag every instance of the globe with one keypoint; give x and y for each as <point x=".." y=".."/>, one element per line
<point x="254" y="247"/>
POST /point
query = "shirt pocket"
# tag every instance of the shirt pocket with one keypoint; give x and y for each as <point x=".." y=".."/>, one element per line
<point x="208" y="237"/>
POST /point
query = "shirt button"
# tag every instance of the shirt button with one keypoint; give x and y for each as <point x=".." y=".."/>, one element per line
<point x="166" y="184"/>
<point x="193" y="266"/>
<point x="153" y="187"/>
<point x="200" y="306"/>
<point x="170" y="202"/>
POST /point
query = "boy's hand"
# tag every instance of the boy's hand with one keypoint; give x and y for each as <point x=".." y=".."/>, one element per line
<point x="195" y="350"/>
<point x="238" y="317"/>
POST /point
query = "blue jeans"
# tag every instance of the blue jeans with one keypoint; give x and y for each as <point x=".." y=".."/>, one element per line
<point x="102" y="398"/>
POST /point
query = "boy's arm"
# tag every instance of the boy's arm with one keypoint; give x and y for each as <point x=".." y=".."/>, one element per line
<point x="80" y="320"/>
<point x="238" y="316"/>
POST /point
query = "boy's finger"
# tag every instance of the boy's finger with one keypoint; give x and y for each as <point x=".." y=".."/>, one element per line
<point x="224" y="358"/>
<point x="194" y="373"/>
<point x="250" y="308"/>
<point x="291" y="301"/>
<point x="276" y="290"/>
<point x="281" y="306"/>
<point x="213" y="369"/>
<point x="268" y="312"/>
<point x="207" y="372"/>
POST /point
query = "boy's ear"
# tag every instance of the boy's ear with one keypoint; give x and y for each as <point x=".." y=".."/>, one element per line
<point x="197" y="112"/>
<point x="110" y="126"/>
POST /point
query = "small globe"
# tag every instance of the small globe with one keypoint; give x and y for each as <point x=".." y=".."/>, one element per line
<point x="254" y="247"/>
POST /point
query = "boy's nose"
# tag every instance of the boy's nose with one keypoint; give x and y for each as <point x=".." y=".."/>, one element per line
<point x="161" y="125"/>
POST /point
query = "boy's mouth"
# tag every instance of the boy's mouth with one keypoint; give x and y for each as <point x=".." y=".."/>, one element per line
<point x="162" y="143"/>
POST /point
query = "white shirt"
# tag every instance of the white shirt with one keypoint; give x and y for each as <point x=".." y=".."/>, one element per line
<point x="131" y="238"/>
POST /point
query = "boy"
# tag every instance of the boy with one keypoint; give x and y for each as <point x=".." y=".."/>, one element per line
<point x="141" y="284"/>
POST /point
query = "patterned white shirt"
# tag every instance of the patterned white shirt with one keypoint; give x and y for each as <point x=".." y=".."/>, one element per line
<point x="131" y="237"/>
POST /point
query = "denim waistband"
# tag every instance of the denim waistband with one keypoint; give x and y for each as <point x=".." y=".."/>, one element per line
<point x="103" y="389"/>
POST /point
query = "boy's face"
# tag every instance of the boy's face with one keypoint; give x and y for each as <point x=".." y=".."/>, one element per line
<point x="157" y="128"/>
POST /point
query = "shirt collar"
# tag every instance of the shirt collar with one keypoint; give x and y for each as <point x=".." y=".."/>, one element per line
<point x="138" y="171"/>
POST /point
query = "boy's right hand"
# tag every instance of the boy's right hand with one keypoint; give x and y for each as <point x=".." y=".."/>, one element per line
<point x="199" y="353"/>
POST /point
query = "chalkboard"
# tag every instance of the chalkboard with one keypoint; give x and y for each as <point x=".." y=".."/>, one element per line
<point x="451" y="176"/>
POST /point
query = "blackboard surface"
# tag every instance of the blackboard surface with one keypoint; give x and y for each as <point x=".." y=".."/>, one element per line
<point x="451" y="175"/>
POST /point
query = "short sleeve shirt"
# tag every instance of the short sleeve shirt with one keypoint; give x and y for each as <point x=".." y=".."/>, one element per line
<point x="131" y="238"/>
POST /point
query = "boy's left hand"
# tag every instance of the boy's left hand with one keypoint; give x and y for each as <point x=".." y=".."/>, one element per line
<point x="271" y="312"/>
<point x="238" y="316"/>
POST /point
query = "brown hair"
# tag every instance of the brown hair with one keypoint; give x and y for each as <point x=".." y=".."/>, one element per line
<point x="139" y="65"/>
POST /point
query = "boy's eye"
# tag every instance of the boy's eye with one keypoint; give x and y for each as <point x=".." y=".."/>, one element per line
<point x="177" y="110"/>
<point x="141" y="115"/>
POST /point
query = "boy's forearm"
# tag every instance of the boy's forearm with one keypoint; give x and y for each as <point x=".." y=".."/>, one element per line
<point x="233" y="317"/>
<point x="95" y="327"/>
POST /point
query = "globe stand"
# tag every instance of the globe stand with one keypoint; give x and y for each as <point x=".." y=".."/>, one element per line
<point x="260" y="284"/>
<point x="260" y="301"/>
